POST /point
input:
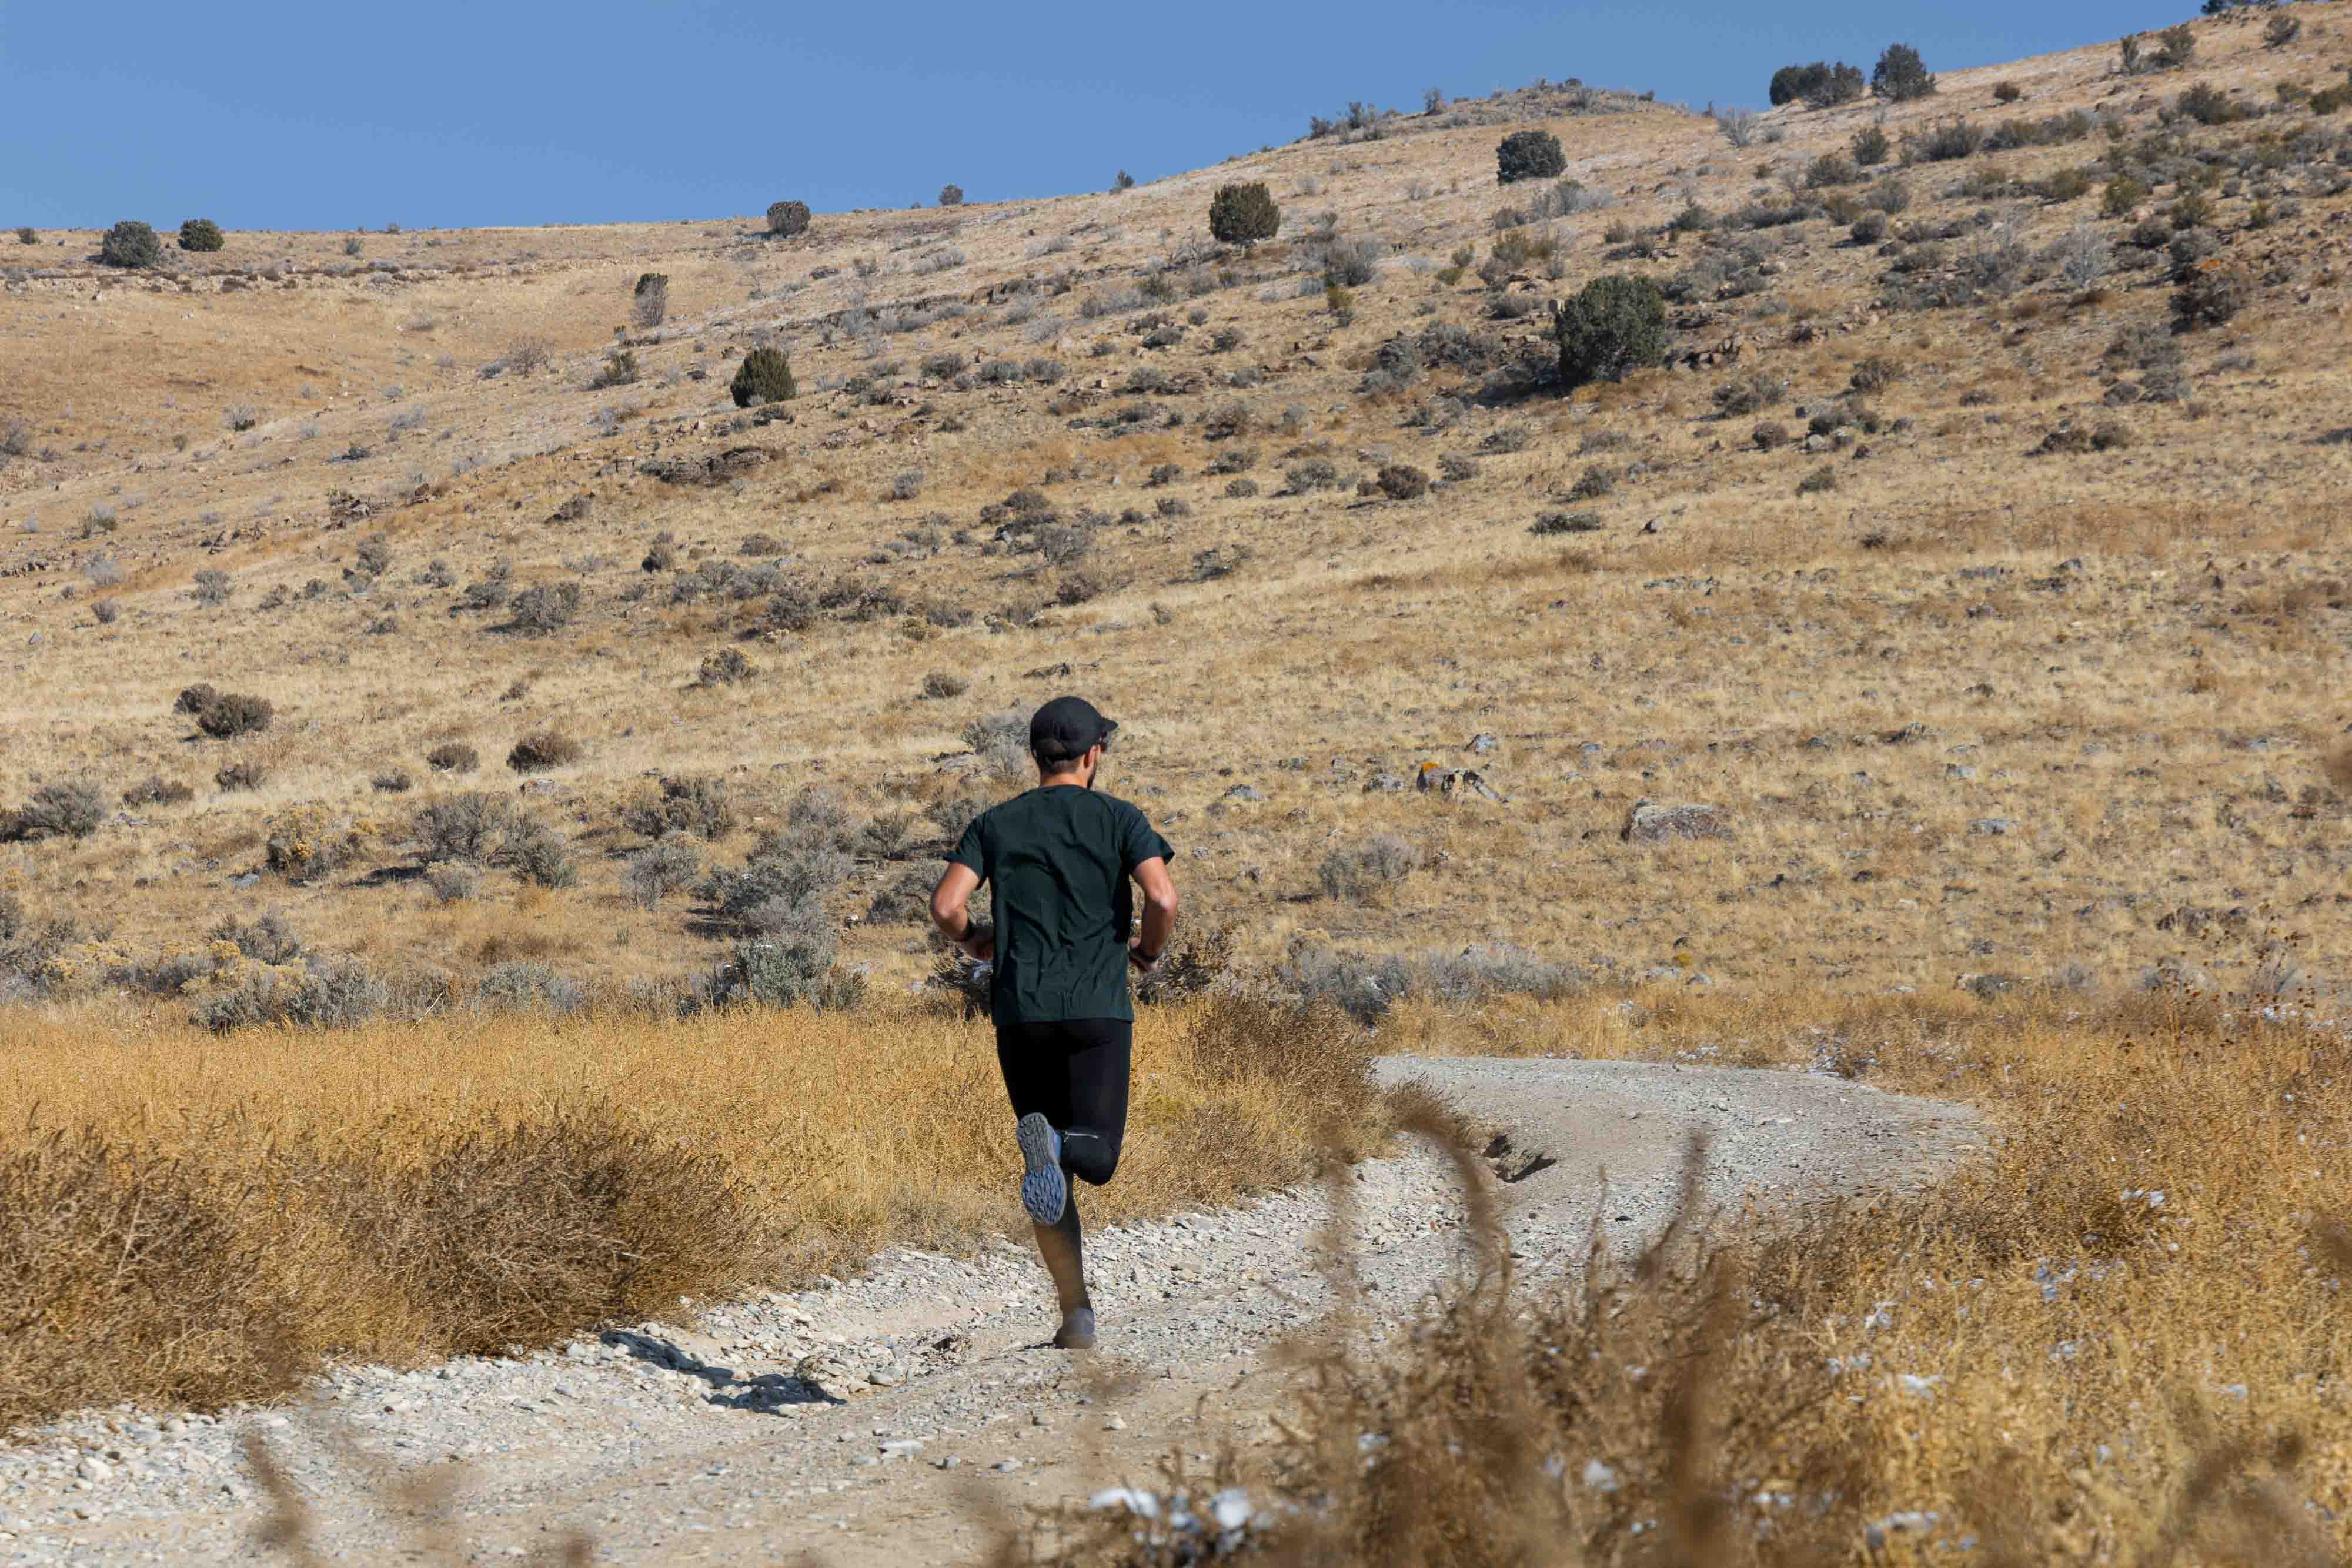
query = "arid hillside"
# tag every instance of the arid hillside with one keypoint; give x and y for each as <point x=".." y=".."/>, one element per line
<point x="1977" y="561"/>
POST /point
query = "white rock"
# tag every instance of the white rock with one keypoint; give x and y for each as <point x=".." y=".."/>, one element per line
<point x="1135" y="1499"/>
<point x="93" y="1469"/>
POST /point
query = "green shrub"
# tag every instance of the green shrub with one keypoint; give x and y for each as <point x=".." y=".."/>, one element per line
<point x="130" y="244"/>
<point x="1870" y="228"/>
<point x="1613" y="324"/>
<point x="1944" y="142"/>
<point x="1528" y="155"/>
<point x="2207" y="105"/>
<point x="25" y="235"/>
<point x="2065" y="185"/>
<point x="786" y="219"/>
<point x="764" y="374"/>
<point x="2210" y="297"/>
<point x="1402" y="482"/>
<point x="1843" y="85"/>
<point x="201" y="233"/>
<point x="2008" y="91"/>
<point x="619" y="370"/>
<point x="2121" y="195"/>
<point x="1901" y="75"/>
<point x="951" y="195"/>
<point x="453" y="756"/>
<point x="1791" y="83"/>
<point x="1872" y="146"/>
<point x="1244" y="215"/>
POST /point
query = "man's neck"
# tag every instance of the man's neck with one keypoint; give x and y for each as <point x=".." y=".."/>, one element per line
<point x="1052" y="781"/>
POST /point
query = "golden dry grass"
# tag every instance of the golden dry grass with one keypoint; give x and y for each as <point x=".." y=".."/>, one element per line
<point x="189" y="1221"/>
<point x="2116" y="1339"/>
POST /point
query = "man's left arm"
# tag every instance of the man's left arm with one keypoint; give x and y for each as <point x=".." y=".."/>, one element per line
<point x="1159" y="912"/>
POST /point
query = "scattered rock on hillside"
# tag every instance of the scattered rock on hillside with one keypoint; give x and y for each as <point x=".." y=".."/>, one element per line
<point x="1649" y="822"/>
<point x="1456" y="780"/>
<point x="711" y="468"/>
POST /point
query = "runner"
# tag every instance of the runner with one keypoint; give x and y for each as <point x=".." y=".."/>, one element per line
<point x="1058" y="859"/>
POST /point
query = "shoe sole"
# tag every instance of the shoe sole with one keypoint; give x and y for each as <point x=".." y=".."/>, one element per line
<point x="1045" y="1190"/>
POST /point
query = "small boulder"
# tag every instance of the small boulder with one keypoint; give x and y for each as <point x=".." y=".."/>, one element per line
<point x="1648" y="823"/>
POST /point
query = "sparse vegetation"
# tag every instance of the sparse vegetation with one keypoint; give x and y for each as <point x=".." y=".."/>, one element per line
<point x="545" y="749"/>
<point x="225" y="716"/>
<point x="649" y="301"/>
<point x="130" y="244"/>
<point x="1613" y="326"/>
<point x="1244" y="215"/>
<point x="1901" y="75"/>
<point x="63" y="809"/>
<point x="1528" y="155"/>
<point x="765" y="376"/>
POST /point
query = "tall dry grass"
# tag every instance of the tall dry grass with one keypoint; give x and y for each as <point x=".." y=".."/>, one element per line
<point x="187" y="1220"/>
<point x="2118" y="1338"/>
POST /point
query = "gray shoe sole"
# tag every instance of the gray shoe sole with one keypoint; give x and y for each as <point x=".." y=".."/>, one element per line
<point x="1045" y="1190"/>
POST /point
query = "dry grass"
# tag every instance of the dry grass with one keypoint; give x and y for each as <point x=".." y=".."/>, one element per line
<point x="2113" y="1340"/>
<point x="185" y="1221"/>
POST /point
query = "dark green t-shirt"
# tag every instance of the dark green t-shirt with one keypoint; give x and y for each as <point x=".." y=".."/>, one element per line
<point x="1058" y="859"/>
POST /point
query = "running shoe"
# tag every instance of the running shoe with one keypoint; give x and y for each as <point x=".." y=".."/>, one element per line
<point x="1077" y="1329"/>
<point x="1045" y="1190"/>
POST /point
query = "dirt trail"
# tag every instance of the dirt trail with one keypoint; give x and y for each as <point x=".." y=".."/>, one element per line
<point x="884" y="1419"/>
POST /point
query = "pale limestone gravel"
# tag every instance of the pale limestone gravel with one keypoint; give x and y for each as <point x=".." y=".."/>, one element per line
<point x="848" y="1416"/>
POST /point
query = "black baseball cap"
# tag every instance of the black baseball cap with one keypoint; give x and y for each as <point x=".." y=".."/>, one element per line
<point x="1066" y="728"/>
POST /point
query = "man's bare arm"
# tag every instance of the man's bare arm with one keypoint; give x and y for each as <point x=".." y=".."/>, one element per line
<point x="948" y="913"/>
<point x="1159" y="912"/>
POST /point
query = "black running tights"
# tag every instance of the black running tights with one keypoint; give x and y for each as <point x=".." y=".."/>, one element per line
<point x="1074" y="1072"/>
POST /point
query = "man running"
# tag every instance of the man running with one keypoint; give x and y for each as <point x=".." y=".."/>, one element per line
<point x="1060" y="859"/>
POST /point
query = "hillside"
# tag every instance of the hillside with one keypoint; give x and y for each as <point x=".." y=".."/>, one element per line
<point x="2028" y="664"/>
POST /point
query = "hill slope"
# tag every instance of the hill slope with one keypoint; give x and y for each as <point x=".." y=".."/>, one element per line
<point x="2029" y="664"/>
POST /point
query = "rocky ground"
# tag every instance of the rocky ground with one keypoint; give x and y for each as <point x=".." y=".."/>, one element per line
<point x="900" y="1416"/>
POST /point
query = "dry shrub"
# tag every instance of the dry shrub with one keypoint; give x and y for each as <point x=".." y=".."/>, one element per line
<point x="124" y="1273"/>
<point x="227" y="715"/>
<point x="547" y="749"/>
<point x="2338" y="765"/>
<point x="2108" y="1338"/>
<point x="414" y="1192"/>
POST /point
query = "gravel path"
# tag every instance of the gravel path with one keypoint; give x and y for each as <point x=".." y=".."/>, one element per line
<point x="884" y="1419"/>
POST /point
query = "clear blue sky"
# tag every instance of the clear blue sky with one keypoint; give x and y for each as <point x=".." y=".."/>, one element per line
<point x="263" y="114"/>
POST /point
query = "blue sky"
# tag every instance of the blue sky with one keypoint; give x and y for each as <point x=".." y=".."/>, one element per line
<point x="263" y="114"/>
